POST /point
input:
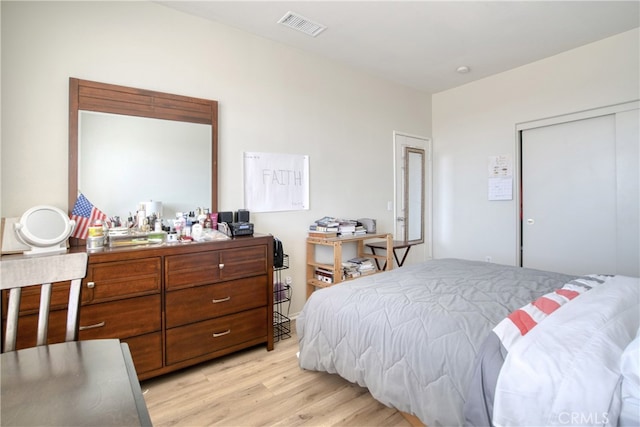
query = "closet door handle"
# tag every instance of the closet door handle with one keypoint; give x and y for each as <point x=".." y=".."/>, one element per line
<point x="216" y="301"/>
<point x="219" y="334"/>
<point x="97" y="325"/>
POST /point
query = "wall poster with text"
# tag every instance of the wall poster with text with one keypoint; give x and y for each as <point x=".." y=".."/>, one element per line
<point x="276" y="182"/>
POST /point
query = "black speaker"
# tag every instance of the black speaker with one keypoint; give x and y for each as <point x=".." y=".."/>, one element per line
<point x="241" y="215"/>
<point x="225" y="217"/>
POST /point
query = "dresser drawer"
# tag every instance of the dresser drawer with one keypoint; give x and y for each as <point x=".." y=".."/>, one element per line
<point x="112" y="280"/>
<point x="28" y="329"/>
<point x="200" y="338"/>
<point x="120" y="319"/>
<point x="243" y="262"/>
<point x="205" y="302"/>
<point x="30" y="299"/>
<point x="192" y="269"/>
<point x="213" y="266"/>
<point x="146" y="351"/>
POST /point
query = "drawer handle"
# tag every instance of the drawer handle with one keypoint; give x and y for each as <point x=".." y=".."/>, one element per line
<point x="220" y="266"/>
<point x="219" y="334"/>
<point x="97" y="325"/>
<point x="91" y="285"/>
<point x="216" y="301"/>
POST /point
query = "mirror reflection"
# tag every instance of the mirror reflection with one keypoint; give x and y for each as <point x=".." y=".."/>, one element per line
<point x="414" y="194"/>
<point x="129" y="146"/>
<point x="126" y="160"/>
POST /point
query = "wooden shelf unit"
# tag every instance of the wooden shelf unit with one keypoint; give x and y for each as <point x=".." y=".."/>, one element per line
<point x="336" y="243"/>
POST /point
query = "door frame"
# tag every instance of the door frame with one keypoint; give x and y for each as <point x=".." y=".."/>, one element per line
<point x="550" y="121"/>
<point x="428" y="187"/>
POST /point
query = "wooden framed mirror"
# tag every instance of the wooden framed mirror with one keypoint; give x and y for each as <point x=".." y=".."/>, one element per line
<point x="414" y="194"/>
<point x="123" y="172"/>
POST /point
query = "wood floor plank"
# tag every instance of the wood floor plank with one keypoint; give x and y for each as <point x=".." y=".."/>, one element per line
<point x="259" y="388"/>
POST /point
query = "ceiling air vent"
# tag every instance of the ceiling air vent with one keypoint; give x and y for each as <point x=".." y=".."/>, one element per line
<point x="300" y="23"/>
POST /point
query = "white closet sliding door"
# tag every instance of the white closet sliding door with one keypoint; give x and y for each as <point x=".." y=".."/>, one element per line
<point x="580" y="195"/>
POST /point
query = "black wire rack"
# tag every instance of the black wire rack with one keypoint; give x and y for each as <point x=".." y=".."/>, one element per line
<point x="281" y="303"/>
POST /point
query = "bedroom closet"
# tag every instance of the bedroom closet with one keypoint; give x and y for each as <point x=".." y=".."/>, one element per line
<point x="580" y="190"/>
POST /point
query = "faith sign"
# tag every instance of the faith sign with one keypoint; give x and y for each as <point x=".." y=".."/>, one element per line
<point x="276" y="182"/>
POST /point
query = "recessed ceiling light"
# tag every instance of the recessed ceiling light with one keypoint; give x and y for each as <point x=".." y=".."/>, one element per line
<point x="463" y="69"/>
<point x="300" y="23"/>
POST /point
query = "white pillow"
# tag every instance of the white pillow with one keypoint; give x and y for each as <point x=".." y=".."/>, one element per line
<point x="630" y="390"/>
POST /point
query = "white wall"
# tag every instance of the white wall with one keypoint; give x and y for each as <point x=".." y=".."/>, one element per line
<point x="478" y="120"/>
<point x="271" y="98"/>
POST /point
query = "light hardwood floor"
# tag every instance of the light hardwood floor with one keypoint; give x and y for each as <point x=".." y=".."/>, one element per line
<point x="260" y="388"/>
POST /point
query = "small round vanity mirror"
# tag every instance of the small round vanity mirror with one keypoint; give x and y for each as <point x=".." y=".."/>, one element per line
<point x="45" y="229"/>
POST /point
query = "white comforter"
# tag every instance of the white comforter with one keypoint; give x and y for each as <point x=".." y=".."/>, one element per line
<point x="566" y="371"/>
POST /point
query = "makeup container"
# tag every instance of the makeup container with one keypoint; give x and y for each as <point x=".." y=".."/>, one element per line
<point x="95" y="243"/>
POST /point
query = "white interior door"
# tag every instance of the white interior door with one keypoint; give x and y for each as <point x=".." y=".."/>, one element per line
<point x="573" y="203"/>
<point x="401" y="141"/>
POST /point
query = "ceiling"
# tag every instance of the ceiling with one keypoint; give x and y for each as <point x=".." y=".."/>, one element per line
<point x="421" y="43"/>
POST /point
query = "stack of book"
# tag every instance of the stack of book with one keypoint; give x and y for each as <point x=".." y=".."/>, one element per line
<point x="324" y="275"/>
<point x="363" y="265"/>
<point x="351" y="228"/>
<point x="350" y="270"/>
<point x="329" y="226"/>
<point x="360" y="230"/>
<point x="324" y="228"/>
<point x="347" y="228"/>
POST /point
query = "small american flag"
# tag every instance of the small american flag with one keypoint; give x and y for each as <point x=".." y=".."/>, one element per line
<point x="85" y="214"/>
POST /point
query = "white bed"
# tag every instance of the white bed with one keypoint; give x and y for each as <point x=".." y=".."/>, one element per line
<point x="411" y="335"/>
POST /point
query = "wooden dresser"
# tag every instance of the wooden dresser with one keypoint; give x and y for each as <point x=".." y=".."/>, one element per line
<point x="175" y="305"/>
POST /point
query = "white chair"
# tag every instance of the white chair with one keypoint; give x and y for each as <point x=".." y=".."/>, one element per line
<point x="42" y="271"/>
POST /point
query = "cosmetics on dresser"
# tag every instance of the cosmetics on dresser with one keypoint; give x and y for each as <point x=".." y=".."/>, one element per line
<point x="141" y="216"/>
